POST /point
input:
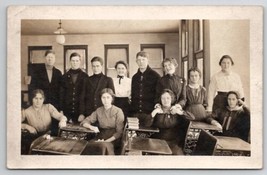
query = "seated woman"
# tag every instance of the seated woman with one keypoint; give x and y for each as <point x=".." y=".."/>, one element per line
<point x="110" y="121"/>
<point x="36" y="120"/>
<point x="170" y="121"/>
<point x="234" y="119"/>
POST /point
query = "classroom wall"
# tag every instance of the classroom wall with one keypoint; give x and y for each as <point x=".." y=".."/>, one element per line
<point x="96" y="44"/>
<point x="230" y="37"/>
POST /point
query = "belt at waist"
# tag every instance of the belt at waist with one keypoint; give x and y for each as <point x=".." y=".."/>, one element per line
<point x="195" y="104"/>
<point x="222" y="93"/>
<point x="121" y="98"/>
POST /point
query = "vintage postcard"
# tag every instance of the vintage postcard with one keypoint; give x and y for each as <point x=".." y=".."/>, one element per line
<point x="135" y="87"/>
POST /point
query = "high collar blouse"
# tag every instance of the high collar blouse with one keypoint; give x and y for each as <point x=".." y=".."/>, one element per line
<point x="122" y="87"/>
<point x="221" y="82"/>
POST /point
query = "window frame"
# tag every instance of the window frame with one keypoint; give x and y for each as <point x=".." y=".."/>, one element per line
<point x="116" y="46"/>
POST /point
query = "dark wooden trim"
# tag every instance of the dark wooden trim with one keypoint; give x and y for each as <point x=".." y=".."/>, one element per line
<point x="204" y="59"/>
<point x="199" y="54"/>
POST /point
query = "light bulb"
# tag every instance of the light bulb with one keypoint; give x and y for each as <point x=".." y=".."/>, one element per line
<point x="60" y="39"/>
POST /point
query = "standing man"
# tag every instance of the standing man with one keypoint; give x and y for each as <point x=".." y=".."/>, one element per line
<point x="47" y="78"/>
<point x="94" y="85"/>
<point x="72" y="90"/>
<point x="143" y="89"/>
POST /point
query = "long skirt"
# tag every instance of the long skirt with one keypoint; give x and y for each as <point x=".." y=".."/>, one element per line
<point x="197" y="110"/>
<point x="220" y="101"/>
<point x="95" y="147"/>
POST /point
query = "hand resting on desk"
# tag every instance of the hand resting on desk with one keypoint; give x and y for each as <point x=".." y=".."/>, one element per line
<point x="93" y="128"/>
<point x="215" y="123"/>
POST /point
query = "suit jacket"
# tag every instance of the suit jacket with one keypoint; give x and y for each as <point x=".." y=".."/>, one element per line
<point x="93" y="90"/>
<point x="72" y="93"/>
<point x="143" y="91"/>
<point x="51" y="89"/>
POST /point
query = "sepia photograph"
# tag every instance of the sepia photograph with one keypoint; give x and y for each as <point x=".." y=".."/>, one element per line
<point x="161" y="87"/>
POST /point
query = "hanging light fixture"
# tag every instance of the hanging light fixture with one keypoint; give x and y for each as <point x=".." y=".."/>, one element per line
<point x="60" y="38"/>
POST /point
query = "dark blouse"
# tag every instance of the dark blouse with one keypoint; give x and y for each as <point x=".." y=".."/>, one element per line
<point x="235" y="123"/>
<point x="174" y="83"/>
<point x="196" y="102"/>
<point x="171" y="126"/>
<point x="196" y="96"/>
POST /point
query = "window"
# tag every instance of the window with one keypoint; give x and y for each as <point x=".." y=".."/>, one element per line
<point x="198" y="48"/>
<point x="198" y="35"/>
<point x="200" y="65"/>
<point x="184" y="38"/>
<point x="114" y="53"/>
<point x="156" y="55"/>
<point x="36" y="54"/>
<point x="185" y="69"/>
<point x="191" y="47"/>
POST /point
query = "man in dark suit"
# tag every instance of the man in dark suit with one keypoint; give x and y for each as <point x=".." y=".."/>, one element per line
<point x="143" y="91"/>
<point x="72" y="90"/>
<point x="95" y="84"/>
<point x="47" y="78"/>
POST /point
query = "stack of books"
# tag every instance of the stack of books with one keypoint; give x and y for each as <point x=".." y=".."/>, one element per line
<point x="133" y="122"/>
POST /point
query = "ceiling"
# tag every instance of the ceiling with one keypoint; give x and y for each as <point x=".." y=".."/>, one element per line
<point x="47" y="27"/>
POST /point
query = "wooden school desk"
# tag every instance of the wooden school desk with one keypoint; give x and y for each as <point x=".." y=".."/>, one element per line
<point x="231" y="146"/>
<point x="148" y="146"/>
<point x="77" y="132"/>
<point x="57" y="146"/>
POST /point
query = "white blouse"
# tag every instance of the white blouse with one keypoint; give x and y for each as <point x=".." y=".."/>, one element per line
<point x="221" y="82"/>
<point x="124" y="88"/>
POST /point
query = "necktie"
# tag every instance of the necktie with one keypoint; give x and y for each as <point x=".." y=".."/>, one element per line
<point x="120" y="77"/>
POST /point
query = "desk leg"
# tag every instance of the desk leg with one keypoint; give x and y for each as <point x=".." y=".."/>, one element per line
<point x="191" y="140"/>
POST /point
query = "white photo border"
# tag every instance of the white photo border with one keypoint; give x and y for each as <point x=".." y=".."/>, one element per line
<point x="17" y="13"/>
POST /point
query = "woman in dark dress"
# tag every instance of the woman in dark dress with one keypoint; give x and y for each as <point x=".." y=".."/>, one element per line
<point x="196" y="96"/>
<point x="171" y="124"/>
<point x="110" y="121"/>
<point x="173" y="82"/>
<point x="233" y="119"/>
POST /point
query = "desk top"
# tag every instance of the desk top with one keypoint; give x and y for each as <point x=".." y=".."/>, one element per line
<point x="203" y="125"/>
<point x="58" y="145"/>
<point x="232" y="143"/>
<point x="148" y="145"/>
<point x="144" y="129"/>
<point x="76" y="128"/>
